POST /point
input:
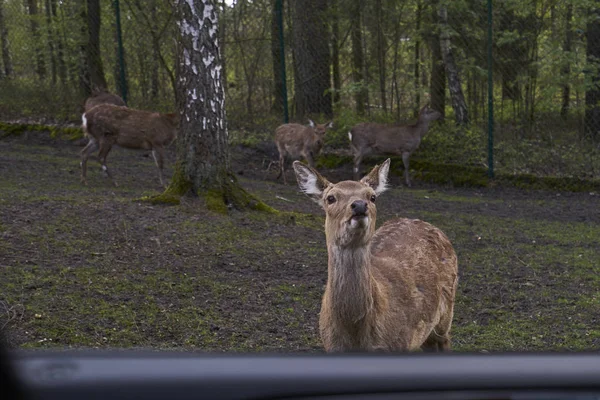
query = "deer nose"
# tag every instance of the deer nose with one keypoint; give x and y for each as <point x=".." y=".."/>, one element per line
<point x="359" y="207"/>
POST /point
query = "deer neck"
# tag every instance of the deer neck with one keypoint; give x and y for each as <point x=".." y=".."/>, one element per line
<point x="421" y="127"/>
<point x="351" y="286"/>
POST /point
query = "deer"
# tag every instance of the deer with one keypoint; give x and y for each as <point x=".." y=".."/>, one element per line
<point x="372" y="138"/>
<point x="298" y="140"/>
<point x="102" y="97"/>
<point x="390" y="289"/>
<point x="108" y="124"/>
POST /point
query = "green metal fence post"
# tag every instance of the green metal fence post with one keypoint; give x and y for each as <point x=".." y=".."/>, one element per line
<point x="279" y="11"/>
<point x="490" y="94"/>
<point x="123" y="80"/>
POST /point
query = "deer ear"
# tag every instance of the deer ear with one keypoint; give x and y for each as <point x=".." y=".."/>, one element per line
<point x="378" y="177"/>
<point x="311" y="123"/>
<point x="329" y="125"/>
<point x="310" y="182"/>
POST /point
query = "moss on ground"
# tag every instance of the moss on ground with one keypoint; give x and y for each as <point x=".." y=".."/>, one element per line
<point x="55" y="131"/>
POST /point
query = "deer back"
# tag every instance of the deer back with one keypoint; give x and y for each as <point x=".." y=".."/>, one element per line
<point x="296" y="139"/>
<point x="419" y="272"/>
<point x="102" y="98"/>
<point x="372" y="137"/>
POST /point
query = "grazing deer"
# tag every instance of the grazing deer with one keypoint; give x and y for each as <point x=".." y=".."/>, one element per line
<point x="102" y="97"/>
<point x="299" y="141"/>
<point x="371" y="138"/>
<point x="387" y="290"/>
<point x="108" y="124"/>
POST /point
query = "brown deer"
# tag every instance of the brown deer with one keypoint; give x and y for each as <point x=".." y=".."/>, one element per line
<point x="102" y="97"/>
<point x="371" y="138"/>
<point x="299" y="141"/>
<point x="387" y="290"/>
<point x="108" y="124"/>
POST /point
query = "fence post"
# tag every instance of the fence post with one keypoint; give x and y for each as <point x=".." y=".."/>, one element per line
<point x="122" y="78"/>
<point x="279" y="11"/>
<point x="490" y="62"/>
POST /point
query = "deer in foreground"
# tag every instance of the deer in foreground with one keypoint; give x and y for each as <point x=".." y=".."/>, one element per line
<point x="108" y="124"/>
<point x="387" y="290"/>
<point x="372" y="138"/>
<point x="298" y="140"/>
<point x="102" y="97"/>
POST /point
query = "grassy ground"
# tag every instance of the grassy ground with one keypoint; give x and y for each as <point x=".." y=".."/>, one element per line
<point x="93" y="267"/>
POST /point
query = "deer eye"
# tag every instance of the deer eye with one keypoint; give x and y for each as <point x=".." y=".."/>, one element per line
<point x="330" y="199"/>
<point x="373" y="198"/>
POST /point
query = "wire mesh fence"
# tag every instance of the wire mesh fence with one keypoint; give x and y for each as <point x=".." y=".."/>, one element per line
<point x="349" y="60"/>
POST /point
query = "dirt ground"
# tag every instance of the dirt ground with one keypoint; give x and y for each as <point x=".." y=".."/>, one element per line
<point x="95" y="267"/>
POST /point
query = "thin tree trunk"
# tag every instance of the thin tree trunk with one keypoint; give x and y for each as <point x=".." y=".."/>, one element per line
<point x="456" y="94"/>
<point x="93" y="55"/>
<point x="380" y="46"/>
<point x="223" y="42"/>
<point x="40" y="64"/>
<point x="335" y="51"/>
<point x="51" y="40"/>
<point x="437" y="82"/>
<point x="592" y="93"/>
<point x="277" y="59"/>
<point x="154" y="84"/>
<point x="6" y="58"/>
<point x="313" y="75"/>
<point x="566" y="69"/>
<point x="417" y="75"/>
<point x="358" y="58"/>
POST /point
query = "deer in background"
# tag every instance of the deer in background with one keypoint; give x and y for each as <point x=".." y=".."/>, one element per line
<point x="387" y="290"/>
<point x="102" y="97"/>
<point x="299" y="141"/>
<point x="372" y="138"/>
<point x="108" y="124"/>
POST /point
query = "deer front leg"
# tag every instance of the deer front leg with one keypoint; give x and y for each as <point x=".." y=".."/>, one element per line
<point x="405" y="160"/>
<point x="159" y="161"/>
<point x="102" y="154"/>
<point x="309" y="158"/>
<point x="357" y="160"/>
<point x="281" y="167"/>
<point x="89" y="148"/>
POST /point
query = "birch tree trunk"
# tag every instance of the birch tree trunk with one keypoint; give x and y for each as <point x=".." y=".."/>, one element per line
<point x="454" y="84"/>
<point x="203" y="165"/>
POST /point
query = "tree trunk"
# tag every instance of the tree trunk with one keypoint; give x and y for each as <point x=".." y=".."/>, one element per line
<point x="154" y="85"/>
<point x="40" y="64"/>
<point x="51" y="40"/>
<point x="222" y="43"/>
<point x="437" y="82"/>
<point x="6" y="59"/>
<point x="380" y="49"/>
<point x="60" y="47"/>
<point x="417" y="104"/>
<point x="456" y="94"/>
<point x="313" y="77"/>
<point x="277" y="59"/>
<point x="203" y="156"/>
<point x="358" y="58"/>
<point x="94" y="59"/>
<point x="335" y="51"/>
<point x="592" y="92"/>
<point x="566" y="69"/>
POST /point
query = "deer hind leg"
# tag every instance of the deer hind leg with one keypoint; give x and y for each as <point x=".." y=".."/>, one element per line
<point x="406" y="161"/>
<point x="357" y="160"/>
<point x="159" y="161"/>
<point x="282" y="166"/>
<point x="105" y="147"/>
<point x="89" y="148"/>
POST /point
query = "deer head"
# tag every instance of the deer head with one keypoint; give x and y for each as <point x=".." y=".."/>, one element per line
<point x="349" y="205"/>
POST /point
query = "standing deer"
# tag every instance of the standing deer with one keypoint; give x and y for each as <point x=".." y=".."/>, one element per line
<point x="102" y="97"/>
<point x="371" y="138"/>
<point x="107" y="125"/>
<point x="387" y="290"/>
<point x="299" y="141"/>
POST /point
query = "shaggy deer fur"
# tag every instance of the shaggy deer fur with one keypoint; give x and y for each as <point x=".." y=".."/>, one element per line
<point x="107" y="125"/>
<point x="387" y="290"/>
<point x="102" y="97"/>
<point x="299" y="141"/>
<point x="371" y="138"/>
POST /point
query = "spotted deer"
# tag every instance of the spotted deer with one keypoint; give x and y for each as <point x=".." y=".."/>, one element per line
<point x="298" y="140"/>
<point x="108" y="124"/>
<point x="387" y="290"/>
<point x="372" y="138"/>
<point x="102" y="97"/>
